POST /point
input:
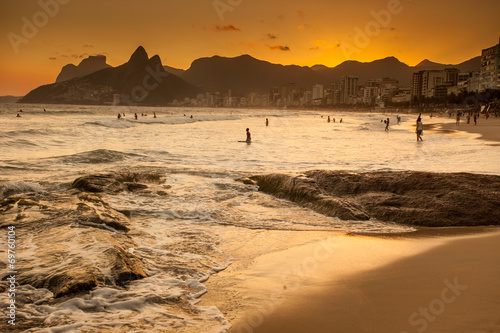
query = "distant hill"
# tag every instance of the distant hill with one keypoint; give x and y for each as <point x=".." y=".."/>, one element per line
<point x="245" y="74"/>
<point x="86" y="66"/>
<point x="388" y="67"/>
<point x="9" y="99"/>
<point x="471" y="65"/>
<point x="175" y="71"/>
<point x="140" y="81"/>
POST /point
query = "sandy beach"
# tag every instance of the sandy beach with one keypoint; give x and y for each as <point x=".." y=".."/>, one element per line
<point x="486" y="129"/>
<point x="372" y="284"/>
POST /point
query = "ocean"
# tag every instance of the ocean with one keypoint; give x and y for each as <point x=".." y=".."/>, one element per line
<point x="198" y="154"/>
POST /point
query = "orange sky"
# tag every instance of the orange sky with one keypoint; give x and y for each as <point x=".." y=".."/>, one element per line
<point x="287" y="32"/>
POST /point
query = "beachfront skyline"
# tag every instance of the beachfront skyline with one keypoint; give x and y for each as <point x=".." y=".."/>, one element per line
<point x="40" y="37"/>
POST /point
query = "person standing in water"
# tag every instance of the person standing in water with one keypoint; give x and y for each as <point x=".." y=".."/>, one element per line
<point x="420" y="128"/>
<point x="249" y="136"/>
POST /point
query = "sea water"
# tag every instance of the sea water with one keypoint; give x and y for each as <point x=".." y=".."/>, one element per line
<point x="199" y="153"/>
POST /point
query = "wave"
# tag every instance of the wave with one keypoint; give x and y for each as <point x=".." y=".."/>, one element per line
<point x="97" y="156"/>
<point x="8" y="189"/>
<point x="20" y="143"/>
<point x="42" y="131"/>
<point x="110" y="123"/>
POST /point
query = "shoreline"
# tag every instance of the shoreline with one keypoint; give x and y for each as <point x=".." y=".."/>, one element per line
<point x="486" y="129"/>
<point x="327" y="282"/>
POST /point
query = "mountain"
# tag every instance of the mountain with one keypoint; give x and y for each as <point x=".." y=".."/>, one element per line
<point x="140" y="81"/>
<point x="472" y="65"/>
<point x="86" y="66"/>
<point x="245" y="74"/>
<point x="387" y="67"/>
<point x="9" y="99"/>
<point x="172" y="70"/>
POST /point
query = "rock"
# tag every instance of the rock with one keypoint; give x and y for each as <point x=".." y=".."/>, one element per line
<point x="71" y="243"/>
<point x="115" y="183"/>
<point x="413" y="198"/>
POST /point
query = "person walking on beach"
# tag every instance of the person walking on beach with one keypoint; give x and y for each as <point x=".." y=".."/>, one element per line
<point x="387" y="125"/>
<point x="475" y="119"/>
<point x="420" y="128"/>
<point x="249" y="136"/>
<point x="458" y="119"/>
<point x="267" y="122"/>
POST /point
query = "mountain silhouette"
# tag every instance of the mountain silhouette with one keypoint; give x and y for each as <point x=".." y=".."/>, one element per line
<point x="244" y="75"/>
<point x="140" y="81"/>
<point x="146" y="81"/>
<point x="86" y="66"/>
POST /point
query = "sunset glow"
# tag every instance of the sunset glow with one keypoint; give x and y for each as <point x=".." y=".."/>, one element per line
<point x="40" y="37"/>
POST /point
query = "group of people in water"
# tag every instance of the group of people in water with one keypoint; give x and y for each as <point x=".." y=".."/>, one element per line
<point x="329" y="120"/>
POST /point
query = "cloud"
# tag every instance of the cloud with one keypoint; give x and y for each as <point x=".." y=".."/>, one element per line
<point x="75" y="56"/>
<point x="88" y="46"/>
<point x="301" y="13"/>
<point x="271" y="36"/>
<point x="278" y="47"/>
<point x="224" y="28"/>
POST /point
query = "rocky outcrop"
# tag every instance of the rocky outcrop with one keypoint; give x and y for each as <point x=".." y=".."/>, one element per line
<point x="412" y="198"/>
<point x="140" y="81"/>
<point x="85" y="67"/>
<point x="114" y="183"/>
<point x="71" y="241"/>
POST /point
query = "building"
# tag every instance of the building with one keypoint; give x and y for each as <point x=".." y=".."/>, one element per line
<point x="317" y="93"/>
<point x="416" y="86"/>
<point x="434" y="83"/>
<point x="490" y="68"/>
<point x="349" y="89"/>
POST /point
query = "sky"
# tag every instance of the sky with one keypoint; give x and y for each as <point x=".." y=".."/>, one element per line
<point x="39" y="37"/>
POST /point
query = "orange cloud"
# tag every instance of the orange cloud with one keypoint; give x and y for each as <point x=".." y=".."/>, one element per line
<point x="278" y="47"/>
<point x="223" y="28"/>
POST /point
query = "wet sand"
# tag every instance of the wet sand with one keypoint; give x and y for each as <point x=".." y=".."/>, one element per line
<point x="433" y="280"/>
<point x="486" y="129"/>
<point x="284" y="281"/>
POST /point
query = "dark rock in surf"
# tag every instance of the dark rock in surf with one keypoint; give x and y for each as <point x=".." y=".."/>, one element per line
<point x="412" y="198"/>
<point x="78" y="241"/>
<point x="115" y="183"/>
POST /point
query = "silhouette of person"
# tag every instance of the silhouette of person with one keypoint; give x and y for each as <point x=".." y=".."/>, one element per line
<point x="420" y="128"/>
<point x="387" y="125"/>
<point x="249" y="136"/>
<point x="267" y="122"/>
